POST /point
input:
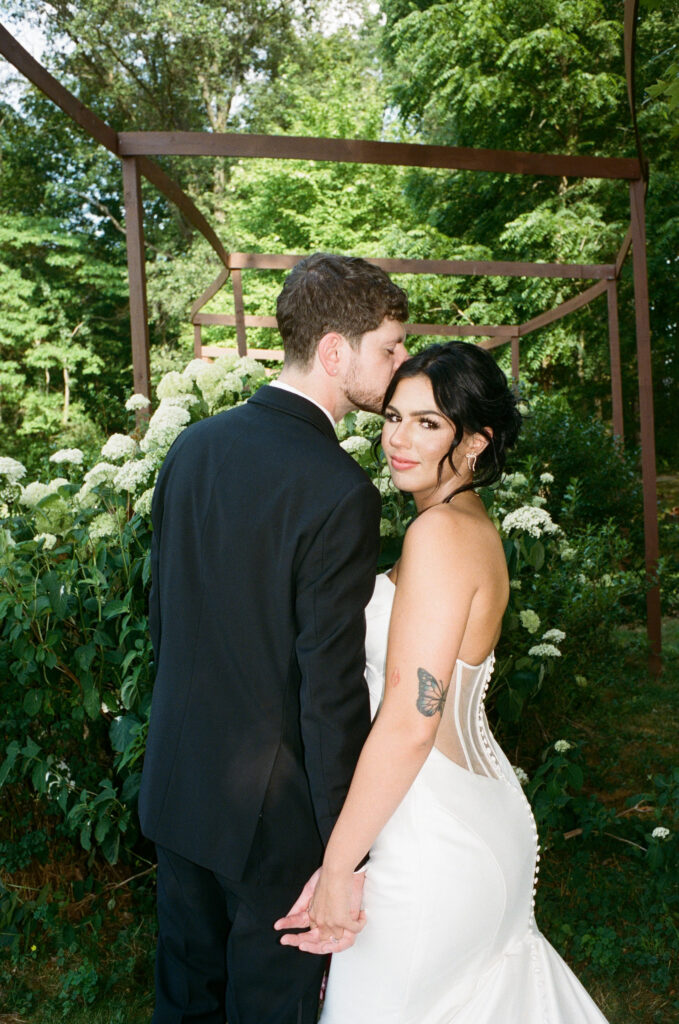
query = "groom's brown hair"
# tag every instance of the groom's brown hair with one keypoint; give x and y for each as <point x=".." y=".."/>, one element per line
<point x="325" y="292"/>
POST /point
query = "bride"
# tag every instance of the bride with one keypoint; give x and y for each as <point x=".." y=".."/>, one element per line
<point x="450" y="933"/>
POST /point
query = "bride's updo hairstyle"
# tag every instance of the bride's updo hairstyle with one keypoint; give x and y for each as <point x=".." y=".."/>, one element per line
<point x="471" y="390"/>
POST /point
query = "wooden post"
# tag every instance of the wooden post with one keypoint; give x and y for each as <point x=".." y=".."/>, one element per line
<point x="616" y="372"/>
<point x="643" y="332"/>
<point x="197" y="342"/>
<point x="240" y="312"/>
<point x="136" y="271"/>
<point x="515" y="360"/>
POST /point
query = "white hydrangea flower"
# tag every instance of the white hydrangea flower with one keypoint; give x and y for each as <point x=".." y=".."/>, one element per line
<point x="515" y="480"/>
<point x="606" y="580"/>
<point x="174" y="384"/>
<point x="561" y="746"/>
<point x="581" y="681"/>
<point x="73" y="456"/>
<point x="48" y="540"/>
<point x="195" y="369"/>
<point x="119" y="446"/>
<point x="537" y="501"/>
<point x="356" y="445"/>
<point x="530" y="620"/>
<point x="101" y="473"/>
<point x="226" y="361"/>
<point x="137" y="401"/>
<point x="387" y="528"/>
<point x="385" y="486"/>
<point x="534" y="521"/>
<point x="660" y="832"/>
<point x="12" y="469"/>
<point x="133" y="474"/>
<point x="143" y="504"/>
<point x="165" y="425"/>
<point x="566" y="552"/>
<point x="245" y="366"/>
<point x="7" y="541"/>
<point x="32" y="493"/>
<point x="521" y="775"/>
<point x="369" y="423"/>
<point x="216" y="385"/>
<point x="544" y="651"/>
<point x="555" y="635"/>
<point x="515" y="584"/>
<point x="183" y="401"/>
<point x="523" y="409"/>
<point x="546" y="478"/>
<point x="103" y="525"/>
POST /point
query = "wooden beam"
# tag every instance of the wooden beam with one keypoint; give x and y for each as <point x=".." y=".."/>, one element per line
<point x="616" y="371"/>
<point x="622" y="252"/>
<point x="136" y="272"/>
<point x="12" y="49"/>
<point x="197" y="341"/>
<point x="362" y="151"/>
<point x="646" y="417"/>
<point x="452" y="330"/>
<point x="210" y="291"/>
<point x="214" y="351"/>
<point x="240" y="311"/>
<point x="563" y="309"/>
<point x="515" y="360"/>
<point x="463" y="268"/>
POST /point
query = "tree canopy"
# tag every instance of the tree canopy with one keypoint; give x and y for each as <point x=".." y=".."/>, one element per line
<point x="546" y="76"/>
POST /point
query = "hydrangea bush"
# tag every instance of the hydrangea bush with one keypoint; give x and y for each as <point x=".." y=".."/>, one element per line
<point x="76" y="660"/>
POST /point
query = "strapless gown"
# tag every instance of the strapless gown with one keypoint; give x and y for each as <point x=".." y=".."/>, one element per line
<point x="449" y="894"/>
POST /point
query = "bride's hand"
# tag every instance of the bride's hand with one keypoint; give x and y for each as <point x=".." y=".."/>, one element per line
<point x="331" y="906"/>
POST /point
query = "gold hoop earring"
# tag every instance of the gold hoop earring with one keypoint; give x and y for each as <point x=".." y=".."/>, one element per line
<point x="471" y="461"/>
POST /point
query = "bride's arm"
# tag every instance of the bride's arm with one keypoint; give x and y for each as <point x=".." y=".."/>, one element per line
<point x="437" y="580"/>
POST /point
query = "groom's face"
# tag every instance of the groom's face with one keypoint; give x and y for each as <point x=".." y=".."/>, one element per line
<point x="373" y="364"/>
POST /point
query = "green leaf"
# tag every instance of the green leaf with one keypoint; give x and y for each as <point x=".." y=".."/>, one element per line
<point x="122" y="731"/>
<point x="536" y="555"/>
<point x="91" y="699"/>
<point x="58" y="595"/>
<point x="115" y="607"/>
<point x="32" y="702"/>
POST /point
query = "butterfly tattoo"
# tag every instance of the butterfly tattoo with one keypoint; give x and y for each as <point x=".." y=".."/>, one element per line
<point x="431" y="695"/>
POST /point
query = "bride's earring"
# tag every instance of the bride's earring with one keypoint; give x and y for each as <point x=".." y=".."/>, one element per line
<point x="471" y="461"/>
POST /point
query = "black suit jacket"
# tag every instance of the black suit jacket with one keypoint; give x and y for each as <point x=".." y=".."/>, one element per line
<point x="264" y="553"/>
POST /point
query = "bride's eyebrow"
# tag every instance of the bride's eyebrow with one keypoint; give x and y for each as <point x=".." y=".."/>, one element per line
<point x="427" y="412"/>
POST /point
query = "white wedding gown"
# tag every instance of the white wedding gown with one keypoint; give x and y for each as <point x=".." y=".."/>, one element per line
<point x="451" y="936"/>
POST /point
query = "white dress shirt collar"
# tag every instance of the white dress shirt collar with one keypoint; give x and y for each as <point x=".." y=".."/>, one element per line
<point x="295" y="391"/>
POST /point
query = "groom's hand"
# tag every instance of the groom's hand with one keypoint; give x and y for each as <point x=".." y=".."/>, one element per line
<point x="328" y="937"/>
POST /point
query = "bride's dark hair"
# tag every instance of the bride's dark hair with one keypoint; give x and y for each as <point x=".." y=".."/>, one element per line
<point x="471" y="390"/>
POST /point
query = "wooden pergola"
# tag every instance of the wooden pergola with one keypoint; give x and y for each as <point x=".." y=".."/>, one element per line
<point x="136" y="150"/>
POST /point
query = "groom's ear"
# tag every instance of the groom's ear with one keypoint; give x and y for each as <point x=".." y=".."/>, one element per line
<point x="331" y="352"/>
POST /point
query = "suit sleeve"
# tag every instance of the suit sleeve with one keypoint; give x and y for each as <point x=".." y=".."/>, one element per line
<point x="154" y="593"/>
<point x="334" y="584"/>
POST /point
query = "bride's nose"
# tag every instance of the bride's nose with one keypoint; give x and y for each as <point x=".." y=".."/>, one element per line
<point x="399" y="436"/>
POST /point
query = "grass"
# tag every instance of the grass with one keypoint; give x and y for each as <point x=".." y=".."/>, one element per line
<point x="612" y="918"/>
<point x="599" y="903"/>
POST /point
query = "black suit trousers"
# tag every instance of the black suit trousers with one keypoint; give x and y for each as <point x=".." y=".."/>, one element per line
<point x="218" y="956"/>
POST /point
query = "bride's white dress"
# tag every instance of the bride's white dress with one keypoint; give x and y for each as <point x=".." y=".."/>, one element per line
<point x="451" y="936"/>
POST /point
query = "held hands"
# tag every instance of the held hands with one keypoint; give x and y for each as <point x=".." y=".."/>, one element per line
<point x="330" y="907"/>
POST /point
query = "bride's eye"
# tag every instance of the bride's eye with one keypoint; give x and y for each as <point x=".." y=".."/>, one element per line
<point x="392" y="417"/>
<point x="429" y="424"/>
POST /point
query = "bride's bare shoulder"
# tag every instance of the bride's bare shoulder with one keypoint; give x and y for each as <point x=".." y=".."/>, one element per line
<point x="445" y="536"/>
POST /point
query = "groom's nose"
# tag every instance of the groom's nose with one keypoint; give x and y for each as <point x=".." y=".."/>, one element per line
<point x="400" y="355"/>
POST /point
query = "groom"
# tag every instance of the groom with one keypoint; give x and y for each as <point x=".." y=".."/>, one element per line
<point x="264" y="554"/>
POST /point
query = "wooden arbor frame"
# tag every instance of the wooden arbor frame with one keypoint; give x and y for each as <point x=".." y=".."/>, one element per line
<point x="135" y="149"/>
